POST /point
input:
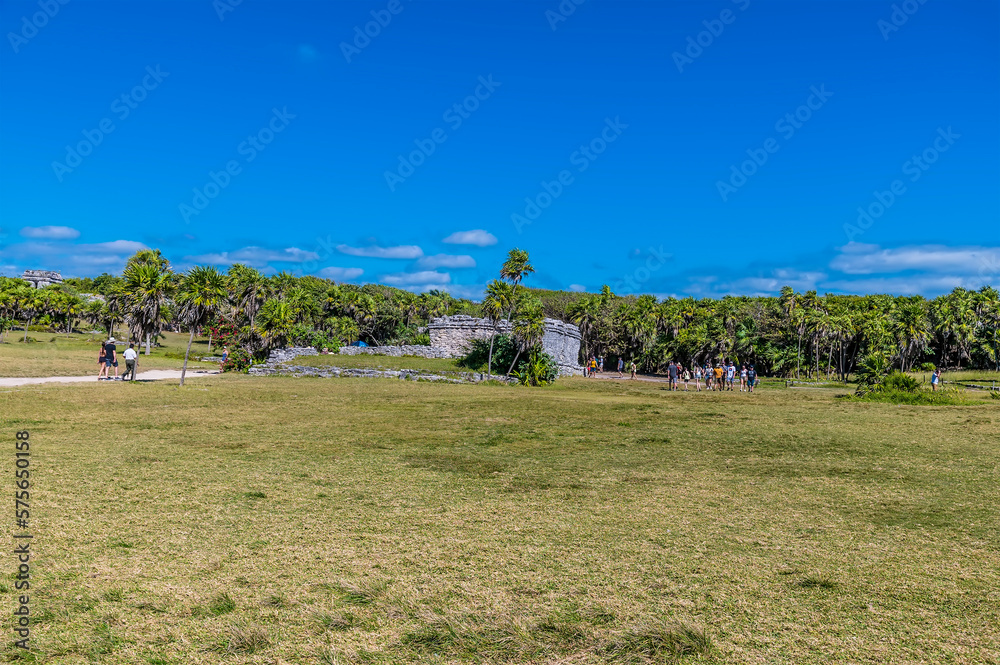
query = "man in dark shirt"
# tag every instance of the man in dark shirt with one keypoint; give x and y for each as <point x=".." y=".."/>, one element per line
<point x="672" y="374"/>
<point x="111" y="356"/>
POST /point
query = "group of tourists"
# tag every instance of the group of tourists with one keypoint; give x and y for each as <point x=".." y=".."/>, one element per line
<point x="720" y="377"/>
<point x="723" y="376"/>
<point x="108" y="358"/>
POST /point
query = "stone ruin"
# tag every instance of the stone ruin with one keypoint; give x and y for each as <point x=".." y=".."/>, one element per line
<point x="453" y="335"/>
<point x="41" y="278"/>
<point x="450" y="338"/>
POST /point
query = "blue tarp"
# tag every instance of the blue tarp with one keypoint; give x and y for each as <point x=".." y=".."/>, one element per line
<point x="358" y="343"/>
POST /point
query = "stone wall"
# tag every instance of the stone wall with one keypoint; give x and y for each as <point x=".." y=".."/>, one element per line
<point x="454" y="334"/>
<point x="395" y="351"/>
<point x="40" y="278"/>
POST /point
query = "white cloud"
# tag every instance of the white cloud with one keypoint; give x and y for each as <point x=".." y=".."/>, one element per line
<point x="477" y="237"/>
<point x="862" y="259"/>
<point x="579" y="288"/>
<point x="50" y="232"/>
<point x="256" y="256"/>
<point x="376" y="252"/>
<point x="340" y="274"/>
<point x="769" y="285"/>
<point x="470" y="291"/>
<point x="447" y="261"/>
<point x="925" y="285"/>
<point x="414" y="278"/>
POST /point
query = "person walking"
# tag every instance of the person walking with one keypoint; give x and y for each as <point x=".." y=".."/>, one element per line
<point x="130" y="358"/>
<point x="102" y="369"/>
<point x="110" y="358"/>
<point x="718" y="373"/>
<point x="600" y="364"/>
<point x="687" y="377"/>
<point x="751" y="378"/>
<point x="672" y="375"/>
<point x="593" y="367"/>
<point x="621" y="367"/>
<point x="225" y="356"/>
<point x="698" y="374"/>
<point x="632" y="368"/>
<point x="743" y="378"/>
<point x="730" y="375"/>
<point x="935" y="380"/>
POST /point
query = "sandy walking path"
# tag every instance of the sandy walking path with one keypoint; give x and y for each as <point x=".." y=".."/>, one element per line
<point x="150" y="375"/>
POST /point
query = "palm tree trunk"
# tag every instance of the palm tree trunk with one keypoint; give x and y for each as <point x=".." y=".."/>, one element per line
<point x="210" y="341"/>
<point x="147" y="343"/>
<point x="798" y="356"/>
<point x="184" y="369"/>
<point x="516" y="356"/>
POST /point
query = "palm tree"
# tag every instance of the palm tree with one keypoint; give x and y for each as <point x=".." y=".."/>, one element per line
<point x="145" y="292"/>
<point x="516" y="267"/>
<point x="203" y="292"/>
<point x="585" y="313"/>
<point x="274" y="323"/>
<point x="499" y="299"/>
<point x="529" y="328"/>
<point x="249" y="288"/>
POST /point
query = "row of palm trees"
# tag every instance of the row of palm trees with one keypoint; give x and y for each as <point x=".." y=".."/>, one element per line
<point x="794" y="333"/>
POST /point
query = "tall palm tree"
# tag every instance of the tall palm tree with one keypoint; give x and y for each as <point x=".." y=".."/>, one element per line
<point x="147" y="286"/>
<point x="202" y="294"/>
<point x="499" y="300"/>
<point x="529" y="328"/>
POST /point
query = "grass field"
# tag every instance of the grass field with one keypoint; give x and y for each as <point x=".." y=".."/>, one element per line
<point x="283" y="520"/>
<point x="76" y="354"/>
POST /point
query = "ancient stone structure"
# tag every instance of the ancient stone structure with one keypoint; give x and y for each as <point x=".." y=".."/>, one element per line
<point x="40" y="278"/>
<point x="396" y="351"/>
<point x="278" y="362"/>
<point x="454" y="333"/>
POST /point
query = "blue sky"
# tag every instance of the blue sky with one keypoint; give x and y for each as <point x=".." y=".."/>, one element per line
<point x="676" y="148"/>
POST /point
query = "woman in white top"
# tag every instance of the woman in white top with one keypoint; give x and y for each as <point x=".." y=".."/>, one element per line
<point x="698" y="374"/>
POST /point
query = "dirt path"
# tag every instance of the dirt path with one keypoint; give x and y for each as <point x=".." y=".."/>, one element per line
<point x="151" y="375"/>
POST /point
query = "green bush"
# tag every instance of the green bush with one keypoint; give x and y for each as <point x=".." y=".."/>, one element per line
<point x="897" y="381"/>
<point x="926" y="367"/>
<point x="539" y="369"/>
<point x="504" y="351"/>
<point x="239" y="360"/>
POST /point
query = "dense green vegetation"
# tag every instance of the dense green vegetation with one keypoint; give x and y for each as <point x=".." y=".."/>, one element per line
<point x="794" y="334"/>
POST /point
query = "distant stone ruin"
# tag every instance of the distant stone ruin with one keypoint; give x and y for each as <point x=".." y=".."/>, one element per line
<point x="454" y="334"/>
<point x="40" y="278"/>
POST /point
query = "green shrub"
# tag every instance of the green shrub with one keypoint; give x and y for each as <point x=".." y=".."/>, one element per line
<point x="539" y="369"/>
<point x="239" y="360"/>
<point x="504" y="351"/>
<point x="926" y="367"/>
<point x="898" y="381"/>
